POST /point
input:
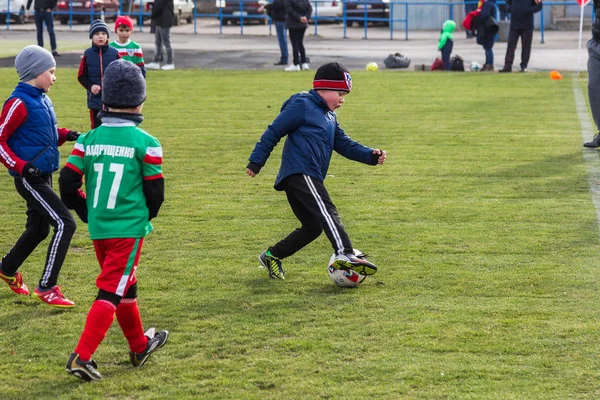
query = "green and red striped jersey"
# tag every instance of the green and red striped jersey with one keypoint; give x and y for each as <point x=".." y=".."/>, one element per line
<point x="131" y="51"/>
<point x="114" y="161"/>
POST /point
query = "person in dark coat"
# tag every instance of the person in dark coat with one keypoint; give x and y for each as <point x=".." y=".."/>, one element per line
<point x="276" y="11"/>
<point x="163" y="16"/>
<point x="521" y="26"/>
<point x="297" y="14"/>
<point x="43" y="15"/>
<point x="593" y="67"/>
<point x="486" y="32"/>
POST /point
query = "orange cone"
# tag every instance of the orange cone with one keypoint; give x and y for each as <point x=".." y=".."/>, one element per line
<point x="555" y="75"/>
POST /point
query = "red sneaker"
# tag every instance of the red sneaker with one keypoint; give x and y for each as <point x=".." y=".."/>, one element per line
<point x="53" y="297"/>
<point x="15" y="283"/>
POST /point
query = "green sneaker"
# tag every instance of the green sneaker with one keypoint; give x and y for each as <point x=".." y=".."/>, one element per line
<point x="272" y="264"/>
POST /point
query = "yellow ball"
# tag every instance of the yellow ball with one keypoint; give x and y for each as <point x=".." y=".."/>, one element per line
<point x="372" y="66"/>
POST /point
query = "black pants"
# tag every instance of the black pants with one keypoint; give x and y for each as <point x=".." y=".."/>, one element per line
<point x="44" y="208"/>
<point x="311" y="204"/>
<point x="526" y="36"/>
<point x="297" y="39"/>
<point x="95" y="121"/>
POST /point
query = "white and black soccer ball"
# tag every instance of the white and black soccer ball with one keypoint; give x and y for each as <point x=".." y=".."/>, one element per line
<point x="345" y="277"/>
<point x="475" y="66"/>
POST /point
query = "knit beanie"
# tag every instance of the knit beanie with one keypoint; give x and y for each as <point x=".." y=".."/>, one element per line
<point x="123" y="20"/>
<point x="33" y="61"/>
<point x="332" y="76"/>
<point x="124" y="85"/>
<point x="98" y="25"/>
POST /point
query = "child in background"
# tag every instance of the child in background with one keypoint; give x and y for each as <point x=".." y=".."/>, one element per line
<point x="122" y="168"/>
<point x="127" y="48"/>
<point x="447" y="42"/>
<point x="29" y="140"/>
<point x="309" y="121"/>
<point x="92" y="66"/>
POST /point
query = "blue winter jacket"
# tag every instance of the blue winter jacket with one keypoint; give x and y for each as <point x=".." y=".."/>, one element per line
<point x="97" y="59"/>
<point x="312" y="134"/>
<point x="36" y="140"/>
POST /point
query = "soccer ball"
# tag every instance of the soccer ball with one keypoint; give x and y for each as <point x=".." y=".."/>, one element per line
<point x="372" y="66"/>
<point x="475" y="66"/>
<point x="343" y="277"/>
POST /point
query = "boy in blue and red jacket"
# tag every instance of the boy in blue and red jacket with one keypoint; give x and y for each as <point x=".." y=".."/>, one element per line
<point x="29" y="140"/>
<point x="313" y="133"/>
<point x="92" y="66"/>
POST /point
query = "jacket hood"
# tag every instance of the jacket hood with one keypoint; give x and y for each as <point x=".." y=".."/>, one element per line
<point x="448" y="26"/>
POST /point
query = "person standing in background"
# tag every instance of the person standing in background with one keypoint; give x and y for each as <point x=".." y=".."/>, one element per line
<point x="163" y="16"/>
<point x="521" y="25"/>
<point x="297" y="14"/>
<point x="487" y="28"/>
<point x="43" y="15"/>
<point x="276" y="11"/>
<point x="593" y="67"/>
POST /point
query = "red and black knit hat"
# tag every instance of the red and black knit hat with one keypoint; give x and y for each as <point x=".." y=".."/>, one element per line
<point x="332" y="76"/>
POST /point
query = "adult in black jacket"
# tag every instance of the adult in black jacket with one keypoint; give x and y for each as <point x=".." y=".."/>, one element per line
<point x="487" y="29"/>
<point x="297" y="14"/>
<point x="593" y="66"/>
<point x="276" y="11"/>
<point x="43" y="15"/>
<point x="163" y="16"/>
<point x="521" y="25"/>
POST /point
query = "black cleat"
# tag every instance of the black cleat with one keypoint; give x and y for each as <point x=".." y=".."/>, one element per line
<point x="155" y="342"/>
<point x="594" y="143"/>
<point x="359" y="264"/>
<point x="272" y="264"/>
<point x="86" y="371"/>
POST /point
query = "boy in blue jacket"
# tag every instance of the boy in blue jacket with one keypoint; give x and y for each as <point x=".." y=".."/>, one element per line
<point x="29" y="140"/>
<point x="310" y="124"/>
<point x="92" y="66"/>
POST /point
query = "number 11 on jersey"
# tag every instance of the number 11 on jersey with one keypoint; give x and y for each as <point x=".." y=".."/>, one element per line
<point x="115" y="168"/>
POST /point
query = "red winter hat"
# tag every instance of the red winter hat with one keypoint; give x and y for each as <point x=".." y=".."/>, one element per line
<point x="123" y="20"/>
<point x="332" y="76"/>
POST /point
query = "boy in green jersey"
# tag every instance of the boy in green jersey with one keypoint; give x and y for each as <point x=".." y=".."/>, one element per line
<point x="121" y="166"/>
<point x="127" y="48"/>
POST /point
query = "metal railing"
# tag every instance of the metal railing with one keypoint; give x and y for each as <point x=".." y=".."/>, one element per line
<point x="397" y="15"/>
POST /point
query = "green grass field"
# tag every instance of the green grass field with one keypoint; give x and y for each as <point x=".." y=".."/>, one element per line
<point x="481" y="221"/>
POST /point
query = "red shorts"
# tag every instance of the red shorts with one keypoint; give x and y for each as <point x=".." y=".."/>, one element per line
<point x="118" y="260"/>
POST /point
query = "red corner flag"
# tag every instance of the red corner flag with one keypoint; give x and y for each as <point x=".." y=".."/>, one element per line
<point x="583" y="3"/>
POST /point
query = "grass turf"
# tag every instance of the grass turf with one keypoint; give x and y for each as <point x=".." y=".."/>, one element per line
<point x="481" y="222"/>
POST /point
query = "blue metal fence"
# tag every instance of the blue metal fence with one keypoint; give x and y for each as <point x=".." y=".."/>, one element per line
<point x="400" y="15"/>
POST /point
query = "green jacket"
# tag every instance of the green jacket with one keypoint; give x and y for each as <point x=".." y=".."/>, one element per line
<point x="447" y="30"/>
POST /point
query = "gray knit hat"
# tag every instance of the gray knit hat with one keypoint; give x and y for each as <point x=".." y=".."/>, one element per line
<point x="98" y="25"/>
<point x="124" y="85"/>
<point x="33" y="61"/>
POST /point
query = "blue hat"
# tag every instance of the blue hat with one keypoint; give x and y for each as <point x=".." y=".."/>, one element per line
<point x="98" y="25"/>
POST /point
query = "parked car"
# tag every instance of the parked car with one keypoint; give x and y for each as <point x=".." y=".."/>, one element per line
<point x="232" y="10"/>
<point x="17" y="10"/>
<point x="184" y="10"/>
<point x="84" y="11"/>
<point x="326" y="9"/>
<point x="355" y="11"/>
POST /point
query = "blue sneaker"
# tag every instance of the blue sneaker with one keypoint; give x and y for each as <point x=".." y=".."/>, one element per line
<point x="272" y="264"/>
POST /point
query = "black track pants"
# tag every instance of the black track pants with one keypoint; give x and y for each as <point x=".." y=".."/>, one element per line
<point x="44" y="209"/>
<point x="313" y="208"/>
